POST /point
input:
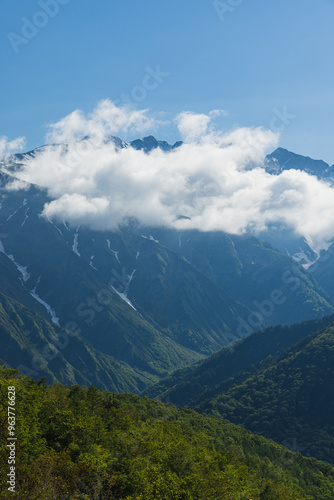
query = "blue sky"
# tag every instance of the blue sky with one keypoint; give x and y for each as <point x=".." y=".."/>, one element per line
<point x="257" y="61"/>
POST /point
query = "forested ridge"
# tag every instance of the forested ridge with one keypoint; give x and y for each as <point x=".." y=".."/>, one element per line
<point x="289" y="397"/>
<point x="84" y="443"/>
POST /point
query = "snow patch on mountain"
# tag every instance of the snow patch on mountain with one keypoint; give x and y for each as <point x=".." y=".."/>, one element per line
<point x="54" y="225"/>
<point x="91" y="262"/>
<point x="22" y="270"/>
<point x="12" y="215"/>
<point x="25" y="217"/>
<point x="151" y="238"/>
<point x="113" y="251"/>
<point x="49" y="309"/>
<point x="124" y="295"/>
<point x="303" y="259"/>
<point x="75" y="243"/>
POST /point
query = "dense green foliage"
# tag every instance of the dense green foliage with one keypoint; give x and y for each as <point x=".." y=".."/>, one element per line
<point x="291" y="399"/>
<point x="231" y="365"/>
<point x="83" y="443"/>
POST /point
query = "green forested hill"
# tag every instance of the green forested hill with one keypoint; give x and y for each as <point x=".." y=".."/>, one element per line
<point x="231" y="365"/>
<point x="289" y="400"/>
<point x="83" y="443"/>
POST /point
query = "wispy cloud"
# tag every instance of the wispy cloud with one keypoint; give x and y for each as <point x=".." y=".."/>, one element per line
<point x="193" y="126"/>
<point x="7" y="147"/>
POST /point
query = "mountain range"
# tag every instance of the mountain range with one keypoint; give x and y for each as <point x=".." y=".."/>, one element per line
<point x="235" y="327"/>
<point x="137" y="303"/>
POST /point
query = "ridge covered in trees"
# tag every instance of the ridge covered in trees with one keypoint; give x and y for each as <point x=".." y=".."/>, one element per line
<point x="84" y="443"/>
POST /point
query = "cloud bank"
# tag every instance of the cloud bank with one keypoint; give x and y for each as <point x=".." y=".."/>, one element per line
<point x="214" y="181"/>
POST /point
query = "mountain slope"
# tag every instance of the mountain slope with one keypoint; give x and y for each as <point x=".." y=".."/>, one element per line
<point x="66" y="266"/>
<point x="104" y="285"/>
<point x="323" y="271"/>
<point x="40" y="269"/>
<point x="289" y="400"/>
<point x="43" y="350"/>
<point x="281" y="159"/>
<point x="275" y="288"/>
<point x="231" y="365"/>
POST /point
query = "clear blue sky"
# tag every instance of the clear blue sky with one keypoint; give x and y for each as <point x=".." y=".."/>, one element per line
<point x="263" y="56"/>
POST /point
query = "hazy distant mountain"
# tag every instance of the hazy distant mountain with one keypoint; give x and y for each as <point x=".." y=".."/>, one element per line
<point x="323" y="270"/>
<point x="281" y="237"/>
<point x="150" y="142"/>
<point x="282" y="159"/>
<point x="250" y="270"/>
<point x="13" y="162"/>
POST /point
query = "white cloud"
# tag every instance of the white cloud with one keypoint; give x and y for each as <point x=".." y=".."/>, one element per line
<point x="197" y="126"/>
<point x="76" y="207"/>
<point x="216" y="180"/>
<point x="7" y="147"/>
<point x="105" y="119"/>
<point x="192" y="126"/>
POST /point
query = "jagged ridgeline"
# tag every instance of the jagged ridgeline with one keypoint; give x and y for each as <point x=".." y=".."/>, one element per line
<point x="84" y="443"/>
